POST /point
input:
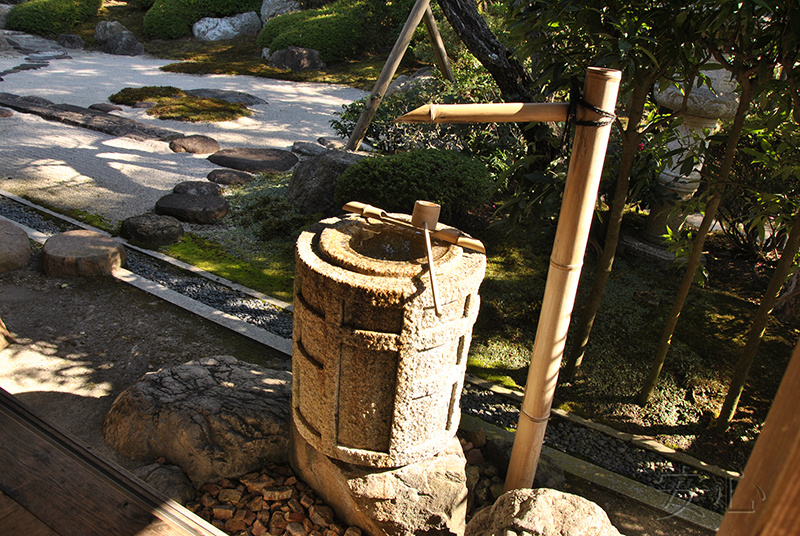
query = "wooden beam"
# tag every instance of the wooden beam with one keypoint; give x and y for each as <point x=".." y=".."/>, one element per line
<point x="767" y="498"/>
<point x="76" y="493"/>
<point x="500" y="112"/>
<point x="438" y="45"/>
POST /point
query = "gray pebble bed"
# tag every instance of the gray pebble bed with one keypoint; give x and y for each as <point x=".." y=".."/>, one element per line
<point x="684" y="484"/>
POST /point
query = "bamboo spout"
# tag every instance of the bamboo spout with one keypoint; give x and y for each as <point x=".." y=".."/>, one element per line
<point x="507" y="112"/>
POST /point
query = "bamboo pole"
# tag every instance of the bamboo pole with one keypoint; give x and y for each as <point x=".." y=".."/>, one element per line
<point x="513" y="112"/>
<point x="438" y="45"/>
<point x="766" y="498"/>
<point x="389" y="68"/>
<point x="572" y="233"/>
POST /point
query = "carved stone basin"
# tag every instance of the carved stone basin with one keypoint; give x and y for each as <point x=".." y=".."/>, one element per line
<point x="377" y="374"/>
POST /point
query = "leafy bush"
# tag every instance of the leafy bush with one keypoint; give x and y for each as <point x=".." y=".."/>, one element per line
<point x="171" y="19"/>
<point x="339" y="31"/>
<point x="455" y="181"/>
<point x="51" y="17"/>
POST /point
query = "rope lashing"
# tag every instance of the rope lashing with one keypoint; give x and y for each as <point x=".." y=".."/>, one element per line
<point x="575" y="99"/>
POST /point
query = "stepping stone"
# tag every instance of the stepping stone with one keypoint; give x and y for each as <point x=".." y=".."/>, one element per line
<point x="255" y="160"/>
<point x="196" y="144"/>
<point x="307" y="148"/>
<point x="77" y="253"/>
<point x="152" y="230"/>
<point x="105" y="107"/>
<point x="228" y="96"/>
<point x="193" y="208"/>
<point x="15" y="248"/>
<point x="197" y="188"/>
<point x="229" y="176"/>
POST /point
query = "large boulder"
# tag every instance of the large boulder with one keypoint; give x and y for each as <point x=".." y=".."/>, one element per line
<point x="541" y="512"/>
<point x="106" y="28"/>
<point x="296" y="59"/>
<point x="217" y="29"/>
<point x="313" y="181"/>
<point x="71" y="41"/>
<point x="15" y="248"/>
<point x="123" y="44"/>
<point x="5" y="8"/>
<point x="214" y="418"/>
<point x="427" y="497"/>
<point x="273" y="8"/>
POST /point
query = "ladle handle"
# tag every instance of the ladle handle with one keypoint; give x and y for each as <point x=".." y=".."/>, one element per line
<point x="432" y="269"/>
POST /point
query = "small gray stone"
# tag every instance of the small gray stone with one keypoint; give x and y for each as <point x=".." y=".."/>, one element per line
<point x="297" y="59"/>
<point x="71" y="41"/>
<point x="306" y="148"/>
<point x="193" y="208"/>
<point x="229" y="176"/>
<point x="152" y="230"/>
<point x="197" y="188"/>
<point x="255" y="160"/>
<point x="15" y="248"/>
<point x="168" y="479"/>
<point x="196" y="144"/>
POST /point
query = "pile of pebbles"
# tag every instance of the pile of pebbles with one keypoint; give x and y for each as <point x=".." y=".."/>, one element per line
<point x="681" y="482"/>
<point x="222" y="298"/>
<point x="272" y="501"/>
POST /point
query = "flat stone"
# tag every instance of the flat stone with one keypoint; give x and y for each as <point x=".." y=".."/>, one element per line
<point x="81" y="253"/>
<point x="229" y="176"/>
<point x="152" y="230"/>
<point x="196" y="144"/>
<point x="226" y="95"/>
<point x="193" y="208"/>
<point x="197" y="188"/>
<point x="255" y="160"/>
<point x="307" y="148"/>
<point x="15" y="248"/>
<point x="105" y="107"/>
<point x="5" y="112"/>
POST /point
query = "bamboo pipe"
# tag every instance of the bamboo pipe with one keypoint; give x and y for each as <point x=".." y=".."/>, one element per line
<point x="572" y="233"/>
<point x="513" y="112"/>
<point x="389" y="68"/>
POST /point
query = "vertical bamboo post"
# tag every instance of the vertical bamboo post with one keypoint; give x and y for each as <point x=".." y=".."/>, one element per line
<point x="766" y="498"/>
<point x="387" y="73"/>
<point x="572" y="233"/>
<point x="438" y="45"/>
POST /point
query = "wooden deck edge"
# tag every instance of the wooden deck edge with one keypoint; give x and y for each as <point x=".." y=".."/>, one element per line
<point x="74" y="491"/>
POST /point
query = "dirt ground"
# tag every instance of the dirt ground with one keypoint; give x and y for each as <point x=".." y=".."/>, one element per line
<point x="81" y="341"/>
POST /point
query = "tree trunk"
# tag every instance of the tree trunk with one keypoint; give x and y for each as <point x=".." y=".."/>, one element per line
<point x="631" y="138"/>
<point x="748" y="88"/>
<point x="757" y="328"/>
<point x="502" y="63"/>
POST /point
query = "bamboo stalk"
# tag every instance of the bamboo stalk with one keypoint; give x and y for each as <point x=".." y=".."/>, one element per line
<point x="580" y="194"/>
<point x="389" y="68"/>
<point x="510" y="112"/>
<point x="438" y="45"/>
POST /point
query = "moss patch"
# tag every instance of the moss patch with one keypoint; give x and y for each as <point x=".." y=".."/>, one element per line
<point x="173" y="103"/>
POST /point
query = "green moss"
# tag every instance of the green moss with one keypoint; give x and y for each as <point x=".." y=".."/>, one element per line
<point x="262" y="274"/>
<point x="197" y="109"/>
<point x="133" y="95"/>
<point x="51" y="17"/>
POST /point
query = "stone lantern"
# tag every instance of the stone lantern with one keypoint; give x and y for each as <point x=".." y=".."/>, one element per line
<point x="704" y="109"/>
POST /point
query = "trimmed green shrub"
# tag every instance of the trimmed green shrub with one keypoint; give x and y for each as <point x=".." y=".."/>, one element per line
<point x="172" y="19"/>
<point x="339" y="31"/>
<point x="51" y="17"/>
<point x="455" y="181"/>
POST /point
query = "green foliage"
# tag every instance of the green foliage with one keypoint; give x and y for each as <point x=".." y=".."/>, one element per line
<point x="273" y="216"/>
<point x="142" y="5"/>
<point x="171" y="19"/>
<point x="51" y="17"/>
<point x="455" y="181"/>
<point x="342" y="30"/>
<point x="132" y="95"/>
